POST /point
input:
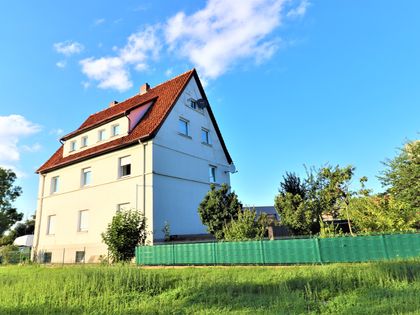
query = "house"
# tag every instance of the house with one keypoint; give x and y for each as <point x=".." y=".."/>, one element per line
<point x="157" y="152"/>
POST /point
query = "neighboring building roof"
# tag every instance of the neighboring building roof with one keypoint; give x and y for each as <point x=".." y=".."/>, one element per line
<point x="164" y="96"/>
<point x="265" y="209"/>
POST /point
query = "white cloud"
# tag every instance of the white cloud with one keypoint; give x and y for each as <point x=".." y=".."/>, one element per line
<point x="12" y="129"/>
<point x="32" y="148"/>
<point x="99" y="21"/>
<point x="68" y="48"/>
<point x="114" y="72"/>
<point x="61" y="64"/>
<point x="169" y="72"/>
<point x="222" y="33"/>
<point x="300" y="10"/>
<point x="56" y="132"/>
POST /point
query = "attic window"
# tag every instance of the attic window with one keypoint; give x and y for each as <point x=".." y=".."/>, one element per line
<point x="101" y="135"/>
<point x="84" y="141"/>
<point x="73" y="146"/>
<point x="115" y="130"/>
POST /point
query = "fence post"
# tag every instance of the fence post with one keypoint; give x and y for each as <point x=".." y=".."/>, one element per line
<point x="385" y="249"/>
<point x="318" y="250"/>
<point x="84" y="254"/>
<point x="262" y="252"/>
<point x="64" y="252"/>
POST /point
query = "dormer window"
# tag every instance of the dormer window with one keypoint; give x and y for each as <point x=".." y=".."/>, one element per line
<point x="115" y="130"/>
<point x="84" y="141"/>
<point x="73" y="146"/>
<point x="101" y="135"/>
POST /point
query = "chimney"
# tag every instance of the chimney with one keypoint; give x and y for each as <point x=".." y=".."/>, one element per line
<point x="144" y="88"/>
<point x="113" y="103"/>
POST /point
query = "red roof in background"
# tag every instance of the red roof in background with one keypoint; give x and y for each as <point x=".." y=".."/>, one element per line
<point x="164" y="96"/>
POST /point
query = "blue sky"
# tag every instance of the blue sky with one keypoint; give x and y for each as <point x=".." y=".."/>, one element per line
<point x="290" y="82"/>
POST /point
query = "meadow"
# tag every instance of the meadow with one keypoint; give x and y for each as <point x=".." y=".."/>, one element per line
<point x="367" y="288"/>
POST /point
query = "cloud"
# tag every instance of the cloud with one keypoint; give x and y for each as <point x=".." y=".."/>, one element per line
<point x="300" y="10"/>
<point x="216" y="37"/>
<point x="98" y="22"/>
<point x="61" y="64"/>
<point x="114" y="72"/>
<point x="169" y="72"/>
<point x="56" y="132"/>
<point x="36" y="147"/>
<point x="68" y="48"/>
<point x="12" y="129"/>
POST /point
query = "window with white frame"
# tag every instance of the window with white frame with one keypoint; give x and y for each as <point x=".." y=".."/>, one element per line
<point x="183" y="126"/>
<point x="212" y="173"/>
<point x="73" y="146"/>
<point x="84" y="141"/>
<point x="123" y="206"/>
<point x="205" y="136"/>
<point x="125" y="166"/>
<point x="86" y="176"/>
<point x="54" y="184"/>
<point x="83" y="221"/>
<point x="115" y="130"/>
<point x="51" y="224"/>
<point x="101" y="135"/>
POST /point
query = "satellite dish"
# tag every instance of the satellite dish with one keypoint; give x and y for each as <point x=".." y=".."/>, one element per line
<point x="232" y="168"/>
<point x="201" y="103"/>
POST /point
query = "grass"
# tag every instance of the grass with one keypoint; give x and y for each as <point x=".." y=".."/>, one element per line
<point x="368" y="288"/>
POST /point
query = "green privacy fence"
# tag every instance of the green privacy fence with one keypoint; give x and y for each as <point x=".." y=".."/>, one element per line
<point x="289" y="251"/>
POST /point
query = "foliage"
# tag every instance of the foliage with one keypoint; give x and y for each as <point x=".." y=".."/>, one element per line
<point x="167" y="231"/>
<point x="9" y="254"/>
<point x="402" y="175"/>
<point x="8" y="194"/>
<point x="329" y="229"/>
<point x="22" y="228"/>
<point x="368" y="288"/>
<point x="382" y="214"/>
<point x="246" y="227"/>
<point x="218" y="208"/>
<point x="124" y="233"/>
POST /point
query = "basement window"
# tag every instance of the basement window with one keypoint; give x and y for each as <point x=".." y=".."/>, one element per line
<point x="80" y="257"/>
<point x="47" y="257"/>
<point x="125" y="166"/>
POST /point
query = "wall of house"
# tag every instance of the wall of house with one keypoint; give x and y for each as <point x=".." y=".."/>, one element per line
<point x="181" y="167"/>
<point x="92" y="135"/>
<point x="101" y="198"/>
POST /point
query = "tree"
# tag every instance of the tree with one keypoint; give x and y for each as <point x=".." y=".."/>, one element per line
<point x="22" y="228"/>
<point x="124" y="233"/>
<point x="218" y="208"/>
<point x="402" y="175"/>
<point x="8" y="194"/>
<point x="246" y="227"/>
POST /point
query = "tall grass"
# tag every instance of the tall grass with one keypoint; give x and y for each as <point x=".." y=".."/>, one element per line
<point x="370" y="288"/>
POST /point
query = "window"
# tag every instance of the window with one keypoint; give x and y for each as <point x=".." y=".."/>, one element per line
<point x="84" y="141"/>
<point x="125" y="166"/>
<point x="47" y="257"/>
<point x="51" y="225"/>
<point x="212" y="174"/>
<point x="123" y="206"/>
<point x="115" y="130"/>
<point x="192" y="103"/>
<point x="73" y="146"/>
<point x="86" y="176"/>
<point x="101" y="135"/>
<point x="80" y="257"/>
<point x="83" y="221"/>
<point x="54" y="184"/>
<point x="183" y="126"/>
<point x="205" y="136"/>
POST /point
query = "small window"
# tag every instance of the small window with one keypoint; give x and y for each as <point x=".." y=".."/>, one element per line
<point x="84" y="141"/>
<point x="80" y="257"/>
<point x="86" y="176"/>
<point x="192" y="103"/>
<point x="101" y="135"/>
<point x="51" y="225"/>
<point x="54" y="184"/>
<point x="125" y="166"/>
<point x="183" y="127"/>
<point x="83" y="221"/>
<point x="205" y="136"/>
<point x="123" y="206"/>
<point x="115" y="130"/>
<point x="73" y="146"/>
<point x="212" y="174"/>
<point x="47" y="257"/>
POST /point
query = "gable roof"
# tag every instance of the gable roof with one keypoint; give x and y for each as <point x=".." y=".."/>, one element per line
<point x="163" y="96"/>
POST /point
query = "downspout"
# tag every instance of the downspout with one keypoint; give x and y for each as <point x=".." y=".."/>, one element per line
<point x="39" y="217"/>
<point x="144" y="176"/>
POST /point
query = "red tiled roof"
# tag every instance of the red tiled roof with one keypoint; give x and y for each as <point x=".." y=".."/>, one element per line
<point x="164" y="96"/>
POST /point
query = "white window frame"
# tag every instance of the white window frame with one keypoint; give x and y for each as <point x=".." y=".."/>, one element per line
<point x="83" y="179"/>
<point x="54" y="184"/>
<point x="121" y="165"/>
<point x="187" y="127"/>
<point x="51" y="228"/>
<point x="100" y="133"/>
<point x="212" y="174"/>
<point x="207" y="133"/>
<point x="84" y="142"/>
<point x="85" y="226"/>
<point x="113" y="128"/>
<point x="122" y="206"/>
<point x="73" y="145"/>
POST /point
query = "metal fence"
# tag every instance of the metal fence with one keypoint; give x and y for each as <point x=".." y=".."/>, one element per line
<point x="15" y="257"/>
<point x="289" y="251"/>
<point x="70" y="255"/>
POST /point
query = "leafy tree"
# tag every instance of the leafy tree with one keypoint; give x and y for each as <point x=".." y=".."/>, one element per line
<point x="218" y="208"/>
<point x="124" y="233"/>
<point x="22" y="228"/>
<point x="402" y="175"/>
<point x="246" y="227"/>
<point x="8" y="194"/>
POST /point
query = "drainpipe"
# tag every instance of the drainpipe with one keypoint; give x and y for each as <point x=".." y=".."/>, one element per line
<point x="39" y="217"/>
<point x="144" y="176"/>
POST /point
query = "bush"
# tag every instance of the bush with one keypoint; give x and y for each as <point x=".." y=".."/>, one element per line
<point x="124" y="233"/>
<point x="246" y="227"/>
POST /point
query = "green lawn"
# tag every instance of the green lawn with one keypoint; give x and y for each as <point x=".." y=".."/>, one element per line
<point x="368" y="288"/>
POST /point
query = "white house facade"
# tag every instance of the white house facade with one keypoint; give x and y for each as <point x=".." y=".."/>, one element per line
<point x="157" y="152"/>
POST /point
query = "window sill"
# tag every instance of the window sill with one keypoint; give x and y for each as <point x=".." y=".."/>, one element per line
<point x="82" y="231"/>
<point x="200" y="111"/>
<point x="184" y="135"/>
<point x="206" y="144"/>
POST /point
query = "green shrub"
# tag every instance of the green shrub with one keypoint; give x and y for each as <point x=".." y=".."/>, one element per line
<point x="246" y="227"/>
